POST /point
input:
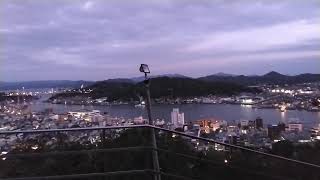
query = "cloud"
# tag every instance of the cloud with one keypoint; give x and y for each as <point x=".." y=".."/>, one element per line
<point x="60" y="57"/>
<point x="87" y="5"/>
<point x="261" y="38"/>
<point x="108" y="39"/>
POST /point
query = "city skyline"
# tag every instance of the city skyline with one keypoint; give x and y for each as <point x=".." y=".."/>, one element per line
<point x="96" y="40"/>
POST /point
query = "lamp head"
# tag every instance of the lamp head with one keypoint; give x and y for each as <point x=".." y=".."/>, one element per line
<point x="144" y="68"/>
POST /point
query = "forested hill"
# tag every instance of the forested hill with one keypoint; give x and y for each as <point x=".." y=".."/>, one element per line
<point x="160" y="87"/>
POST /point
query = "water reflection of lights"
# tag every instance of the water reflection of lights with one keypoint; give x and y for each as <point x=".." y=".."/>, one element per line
<point x="246" y="105"/>
<point x="283" y="116"/>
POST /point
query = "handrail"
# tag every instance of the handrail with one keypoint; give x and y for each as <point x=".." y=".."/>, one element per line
<point x="167" y="130"/>
<point x="68" y="152"/>
<point x="238" y="147"/>
<point x="104" y="174"/>
<point x="73" y="129"/>
<point x="87" y="175"/>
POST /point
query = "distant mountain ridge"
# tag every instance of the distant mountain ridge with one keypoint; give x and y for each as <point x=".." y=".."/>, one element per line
<point x="141" y="78"/>
<point x="43" y="84"/>
<point x="269" y="78"/>
<point x="224" y="74"/>
<point x="272" y="77"/>
<point x="274" y="74"/>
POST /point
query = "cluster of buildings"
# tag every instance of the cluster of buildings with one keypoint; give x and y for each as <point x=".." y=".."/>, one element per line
<point x="250" y="133"/>
<point x="287" y="97"/>
<point x="20" y="117"/>
<point x="293" y="97"/>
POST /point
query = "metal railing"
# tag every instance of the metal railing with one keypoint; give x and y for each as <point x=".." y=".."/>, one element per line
<point x="125" y="152"/>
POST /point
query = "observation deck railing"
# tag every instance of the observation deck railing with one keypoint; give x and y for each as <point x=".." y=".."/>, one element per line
<point x="125" y="152"/>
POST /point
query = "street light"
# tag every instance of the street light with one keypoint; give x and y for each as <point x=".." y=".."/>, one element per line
<point x="144" y="68"/>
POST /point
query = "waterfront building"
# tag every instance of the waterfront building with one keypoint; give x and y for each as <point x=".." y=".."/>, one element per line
<point x="231" y="129"/>
<point x="315" y="132"/>
<point x="177" y="118"/>
<point x="82" y="113"/>
<point x="244" y="123"/>
<point x="139" y="120"/>
<point x="295" y="126"/>
<point x="258" y="123"/>
<point x="274" y="131"/>
<point x="209" y="124"/>
<point x="87" y="115"/>
<point x="233" y="139"/>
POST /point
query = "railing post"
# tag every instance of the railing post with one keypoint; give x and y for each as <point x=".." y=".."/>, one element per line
<point x="103" y="137"/>
<point x="57" y="134"/>
<point x="155" y="159"/>
<point x="103" y="142"/>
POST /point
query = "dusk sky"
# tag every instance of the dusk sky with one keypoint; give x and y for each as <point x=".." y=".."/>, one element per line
<point x="101" y="39"/>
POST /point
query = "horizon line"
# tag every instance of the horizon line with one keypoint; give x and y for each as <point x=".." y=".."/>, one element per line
<point x="178" y="74"/>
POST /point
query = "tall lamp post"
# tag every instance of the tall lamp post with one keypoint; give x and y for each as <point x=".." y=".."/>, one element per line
<point x="145" y="69"/>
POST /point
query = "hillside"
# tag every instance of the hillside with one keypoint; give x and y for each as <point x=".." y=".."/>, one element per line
<point x="269" y="78"/>
<point x="159" y="87"/>
<point x="187" y="87"/>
